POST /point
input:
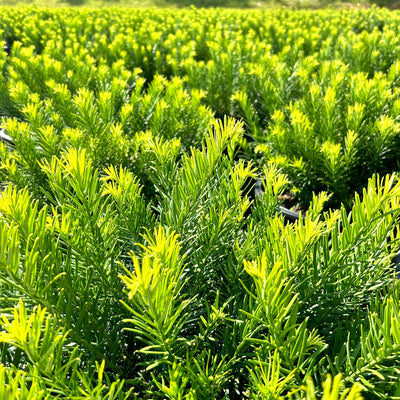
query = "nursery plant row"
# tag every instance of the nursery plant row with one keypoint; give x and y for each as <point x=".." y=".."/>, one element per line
<point x="136" y="258"/>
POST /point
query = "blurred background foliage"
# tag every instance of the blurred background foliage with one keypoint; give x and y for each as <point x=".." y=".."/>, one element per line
<point x="298" y="4"/>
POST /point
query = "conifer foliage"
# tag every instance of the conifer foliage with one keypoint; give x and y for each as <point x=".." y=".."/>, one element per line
<point x="135" y="261"/>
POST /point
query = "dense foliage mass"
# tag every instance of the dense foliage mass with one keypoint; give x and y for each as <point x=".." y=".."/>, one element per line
<point x="134" y="261"/>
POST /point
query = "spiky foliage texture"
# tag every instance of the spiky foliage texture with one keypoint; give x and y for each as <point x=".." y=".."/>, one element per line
<point x="193" y="298"/>
<point x="134" y="261"/>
